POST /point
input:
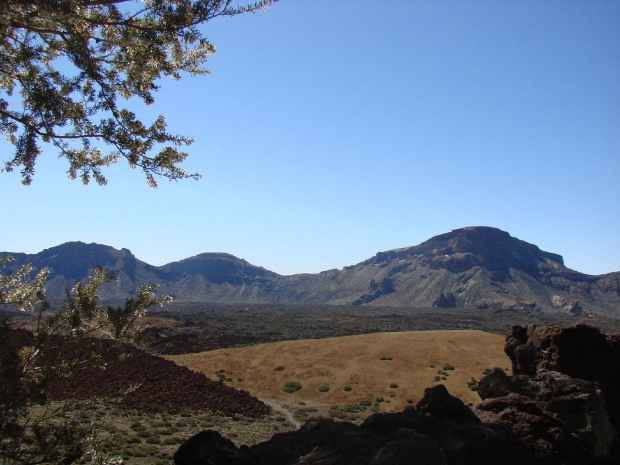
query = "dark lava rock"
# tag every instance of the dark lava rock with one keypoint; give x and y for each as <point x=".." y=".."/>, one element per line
<point x="562" y="399"/>
<point x="123" y="373"/>
<point x="579" y="352"/>
<point x="209" y="447"/>
<point x="440" y="433"/>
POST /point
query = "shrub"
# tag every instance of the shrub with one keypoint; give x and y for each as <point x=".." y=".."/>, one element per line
<point x="347" y="388"/>
<point x="385" y="358"/>
<point x="393" y="386"/>
<point x="473" y="384"/>
<point x="279" y="368"/>
<point x="291" y="386"/>
<point x="324" y="388"/>
<point x="447" y="366"/>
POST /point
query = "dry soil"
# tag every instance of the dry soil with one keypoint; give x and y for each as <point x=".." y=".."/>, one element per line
<point x="394" y="366"/>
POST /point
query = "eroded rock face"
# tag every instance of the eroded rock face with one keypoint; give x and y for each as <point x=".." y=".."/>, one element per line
<point x="554" y="413"/>
<point x="543" y="414"/>
<point x="564" y="394"/>
<point x="579" y="352"/>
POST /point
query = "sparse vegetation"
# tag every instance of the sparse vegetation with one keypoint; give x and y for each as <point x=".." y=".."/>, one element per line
<point x="472" y="384"/>
<point x="279" y="368"/>
<point x="291" y="386"/>
<point x="324" y="388"/>
<point x="347" y="388"/>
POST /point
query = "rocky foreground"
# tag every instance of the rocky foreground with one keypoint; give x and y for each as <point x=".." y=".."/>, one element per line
<point x="131" y="378"/>
<point x="561" y="406"/>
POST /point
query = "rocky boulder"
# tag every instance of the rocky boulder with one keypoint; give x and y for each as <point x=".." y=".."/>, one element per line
<point x="579" y="351"/>
<point x="441" y="430"/>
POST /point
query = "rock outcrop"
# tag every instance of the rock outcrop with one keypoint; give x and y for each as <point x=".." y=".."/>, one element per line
<point x="558" y="408"/>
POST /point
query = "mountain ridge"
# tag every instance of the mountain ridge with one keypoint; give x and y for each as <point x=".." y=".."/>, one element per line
<point x="473" y="267"/>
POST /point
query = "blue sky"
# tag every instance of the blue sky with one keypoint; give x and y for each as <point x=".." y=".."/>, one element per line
<point x="329" y="131"/>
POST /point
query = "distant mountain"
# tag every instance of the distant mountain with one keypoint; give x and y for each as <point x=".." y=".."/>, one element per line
<point x="477" y="267"/>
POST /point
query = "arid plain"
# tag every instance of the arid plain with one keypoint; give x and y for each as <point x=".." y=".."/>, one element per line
<point x="395" y="367"/>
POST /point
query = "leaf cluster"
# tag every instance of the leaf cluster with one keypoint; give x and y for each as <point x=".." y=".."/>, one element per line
<point x="32" y="430"/>
<point x="64" y="65"/>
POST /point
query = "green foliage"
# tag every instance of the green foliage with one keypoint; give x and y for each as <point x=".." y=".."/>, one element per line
<point x="447" y="366"/>
<point x="291" y="386"/>
<point x="32" y="429"/>
<point x="347" y="388"/>
<point x="324" y="388"/>
<point x="472" y="384"/>
<point x="70" y="61"/>
<point x="279" y="368"/>
<point x="393" y="385"/>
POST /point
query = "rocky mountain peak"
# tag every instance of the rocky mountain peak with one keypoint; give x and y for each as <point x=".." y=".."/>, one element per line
<point x="482" y="246"/>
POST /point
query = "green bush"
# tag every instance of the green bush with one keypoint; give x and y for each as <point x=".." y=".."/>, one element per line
<point x="347" y="388"/>
<point x="324" y="388"/>
<point x="291" y="386"/>
<point x="473" y="384"/>
<point x="447" y="366"/>
<point x="279" y="368"/>
<point x="393" y="386"/>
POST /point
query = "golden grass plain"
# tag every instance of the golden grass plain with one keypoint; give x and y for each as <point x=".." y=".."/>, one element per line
<point x="360" y="362"/>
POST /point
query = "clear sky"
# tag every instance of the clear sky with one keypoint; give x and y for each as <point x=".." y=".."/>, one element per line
<point x="331" y="130"/>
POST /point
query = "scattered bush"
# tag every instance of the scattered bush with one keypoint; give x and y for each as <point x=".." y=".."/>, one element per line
<point x="324" y="388"/>
<point x="447" y="366"/>
<point x="347" y="388"/>
<point x="393" y="386"/>
<point x="385" y="358"/>
<point x="279" y="368"/>
<point x="291" y="386"/>
<point x="473" y="384"/>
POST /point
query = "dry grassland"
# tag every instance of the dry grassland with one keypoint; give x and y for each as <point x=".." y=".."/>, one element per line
<point x="394" y="366"/>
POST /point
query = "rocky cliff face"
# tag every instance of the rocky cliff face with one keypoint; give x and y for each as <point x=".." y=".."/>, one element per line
<point x="540" y="415"/>
<point x="477" y="267"/>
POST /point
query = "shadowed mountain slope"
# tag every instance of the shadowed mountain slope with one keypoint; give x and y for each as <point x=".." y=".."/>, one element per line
<point x="479" y="267"/>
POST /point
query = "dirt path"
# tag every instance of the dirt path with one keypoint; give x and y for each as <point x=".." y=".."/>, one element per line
<point x="284" y="411"/>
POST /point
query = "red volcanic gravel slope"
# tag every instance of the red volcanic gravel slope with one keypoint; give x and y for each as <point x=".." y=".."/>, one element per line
<point x="141" y="381"/>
